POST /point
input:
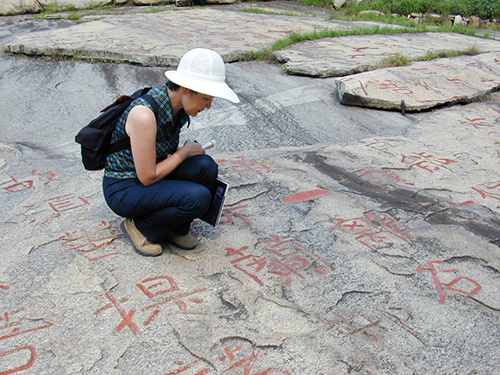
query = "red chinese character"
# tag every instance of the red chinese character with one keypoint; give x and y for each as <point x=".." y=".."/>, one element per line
<point x="191" y="365"/>
<point x="126" y="316"/>
<point x="247" y="364"/>
<point x="50" y="176"/>
<point x="147" y="289"/>
<point x="27" y="365"/>
<point x="292" y="258"/>
<point x="446" y="66"/>
<point x="180" y="299"/>
<point x="451" y="286"/>
<point x="370" y="229"/>
<point x="229" y="213"/>
<point x="66" y="202"/>
<point x="358" y="225"/>
<point x="424" y="84"/>
<point x="17" y="186"/>
<point x="489" y="194"/>
<point x="380" y="145"/>
<point x="94" y="243"/>
<point x="423" y="70"/>
<point x="396" y="87"/>
<point x="245" y="167"/>
<point x="379" y="177"/>
<point x="13" y="327"/>
<point x="458" y="81"/>
<point x="427" y="162"/>
<point x="476" y="122"/>
<point x="242" y="257"/>
<point x="479" y="65"/>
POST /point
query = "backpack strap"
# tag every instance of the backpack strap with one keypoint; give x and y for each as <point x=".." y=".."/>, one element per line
<point x="122" y="144"/>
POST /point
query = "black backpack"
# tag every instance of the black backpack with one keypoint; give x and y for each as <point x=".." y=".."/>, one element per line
<point x="95" y="138"/>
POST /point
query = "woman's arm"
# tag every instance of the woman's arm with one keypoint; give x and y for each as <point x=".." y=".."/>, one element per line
<point x="141" y="128"/>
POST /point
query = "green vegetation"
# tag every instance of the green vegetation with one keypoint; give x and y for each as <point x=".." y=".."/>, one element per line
<point x="97" y="10"/>
<point x="153" y="9"/>
<point x="267" y="53"/>
<point x="392" y="61"/>
<point x="385" y="18"/>
<point x="431" y="55"/>
<point x="402" y="60"/>
<point x="264" y="11"/>
<point x="74" y="16"/>
<point x="485" y="9"/>
<point x="351" y="9"/>
<point x="46" y="12"/>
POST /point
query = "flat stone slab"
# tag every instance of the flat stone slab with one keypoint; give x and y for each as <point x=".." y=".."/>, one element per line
<point x="424" y="84"/>
<point x="353" y="241"/>
<point x="342" y="56"/>
<point x="359" y="255"/>
<point x="160" y="39"/>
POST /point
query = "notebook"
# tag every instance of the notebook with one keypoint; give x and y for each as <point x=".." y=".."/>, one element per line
<point x="219" y="191"/>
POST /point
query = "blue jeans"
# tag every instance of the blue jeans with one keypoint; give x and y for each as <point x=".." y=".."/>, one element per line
<point x="169" y="205"/>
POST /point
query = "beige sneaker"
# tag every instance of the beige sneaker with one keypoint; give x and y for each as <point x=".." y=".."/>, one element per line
<point x="140" y="243"/>
<point x="186" y="242"/>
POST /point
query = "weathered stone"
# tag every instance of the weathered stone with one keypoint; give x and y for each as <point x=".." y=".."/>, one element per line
<point x="352" y="54"/>
<point x="221" y="1"/>
<point x="23" y="6"/>
<point x="475" y="22"/>
<point x="434" y="15"/>
<point x="447" y="22"/>
<point x="16" y="6"/>
<point x="371" y="12"/>
<point x="79" y="4"/>
<point x="338" y="3"/>
<point x="353" y="241"/>
<point x="151" y="2"/>
<point x="109" y="38"/>
<point x="459" y="20"/>
<point x="490" y="24"/>
<point x="423" y="85"/>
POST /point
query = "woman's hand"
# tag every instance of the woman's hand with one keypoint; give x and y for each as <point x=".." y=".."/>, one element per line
<point x="191" y="148"/>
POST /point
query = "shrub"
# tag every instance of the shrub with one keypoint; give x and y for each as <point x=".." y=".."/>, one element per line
<point x="486" y="9"/>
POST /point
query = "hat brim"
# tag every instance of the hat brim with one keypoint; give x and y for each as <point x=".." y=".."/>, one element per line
<point x="218" y="89"/>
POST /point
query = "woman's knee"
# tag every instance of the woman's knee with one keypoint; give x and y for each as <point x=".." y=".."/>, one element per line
<point x="201" y="169"/>
<point x="210" y="167"/>
<point x="203" y="199"/>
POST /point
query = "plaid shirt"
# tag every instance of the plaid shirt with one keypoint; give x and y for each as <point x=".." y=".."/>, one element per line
<point x="121" y="164"/>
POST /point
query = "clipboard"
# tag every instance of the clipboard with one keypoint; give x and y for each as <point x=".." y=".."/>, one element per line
<point x="219" y="191"/>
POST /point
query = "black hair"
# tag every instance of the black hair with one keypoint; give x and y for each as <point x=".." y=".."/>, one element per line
<point x="173" y="86"/>
<point x="177" y="118"/>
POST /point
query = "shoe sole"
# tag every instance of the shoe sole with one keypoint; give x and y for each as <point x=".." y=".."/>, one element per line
<point x="122" y="227"/>
<point x="182" y="247"/>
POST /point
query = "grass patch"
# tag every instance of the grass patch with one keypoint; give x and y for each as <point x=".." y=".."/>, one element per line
<point x="267" y="53"/>
<point x="266" y="11"/>
<point x="486" y="9"/>
<point x="395" y="11"/>
<point x="402" y="60"/>
<point x="74" y="16"/>
<point x="78" y="14"/>
<point x="386" y="18"/>
<point x="400" y="25"/>
<point x="431" y="55"/>
<point x="46" y="12"/>
<point x="152" y="9"/>
<point x="393" y="61"/>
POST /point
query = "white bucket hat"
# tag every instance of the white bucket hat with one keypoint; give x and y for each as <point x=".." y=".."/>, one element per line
<point x="202" y="70"/>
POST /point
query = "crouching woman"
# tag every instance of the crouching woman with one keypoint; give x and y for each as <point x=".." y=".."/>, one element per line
<point x="159" y="187"/>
